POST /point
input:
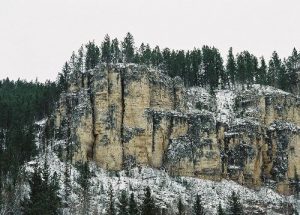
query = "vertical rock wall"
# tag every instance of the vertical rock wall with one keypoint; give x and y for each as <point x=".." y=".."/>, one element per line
<point x="132" y="115"/>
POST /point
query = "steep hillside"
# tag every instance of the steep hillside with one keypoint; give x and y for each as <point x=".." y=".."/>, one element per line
<point x="126" y="116"/>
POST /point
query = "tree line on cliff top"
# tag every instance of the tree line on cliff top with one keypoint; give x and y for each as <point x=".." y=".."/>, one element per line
<point x="203" y="67"/>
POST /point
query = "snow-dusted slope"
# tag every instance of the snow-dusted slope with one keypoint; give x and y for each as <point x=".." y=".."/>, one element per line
<point x="165" y="189"/>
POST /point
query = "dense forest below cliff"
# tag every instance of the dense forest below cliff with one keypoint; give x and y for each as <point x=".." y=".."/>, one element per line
<point x="23" y="105"/>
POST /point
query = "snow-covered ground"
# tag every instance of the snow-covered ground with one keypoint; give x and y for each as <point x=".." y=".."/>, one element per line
<point x="166" y="189"/>
<point x="225" y="103"/>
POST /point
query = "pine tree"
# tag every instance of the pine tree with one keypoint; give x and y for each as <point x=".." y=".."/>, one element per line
<point x="262" y="72"/>
<point x="198" y="207"/>
<point x="92" y="57"/>
<point x="180" y="65"/>
<point x="54" y="202"/>
<point x="235" y="207"/>
<point x="64" y="77"/>
<point x="231" y="66"/>
<point x="167" y="60"/>
<point x="31" y="205"/>
<point x="188" y="69"/>
<point x="156" y="56"/>
<point x="212" y="68"/>
<point x="147" y="55"/>
<point x="115" y="51"/>
<point x="128" y="48"/>
<point x="247" y="68"/>
<point x="111" y="204"/>
<point x="297" y="183"/>
<point x="106" y="49"/>
<point x="1" y="187"/>
<point x="241" y="69"/>
<point x="123" y="204"/>
<point x="180" y="207"/>
<point x="43" y="195"/>
<point x="196" y="59"/>
<point x="67" y="184"/>
<point x="275" y="66"/>
<point x="80" y="60"/>
<point x="133" y="208"/>
<point x="220" y="210"/>
<point x="84" y="182"/>
<point x="292" y="65"/>
<point x="148" y="207"/>
<point x="283" y="81"/>
<point x="85" y="175"/>
<point x="141" y="51"/>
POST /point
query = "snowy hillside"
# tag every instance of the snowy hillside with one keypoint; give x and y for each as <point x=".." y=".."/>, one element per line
<point x="166" y="189"/>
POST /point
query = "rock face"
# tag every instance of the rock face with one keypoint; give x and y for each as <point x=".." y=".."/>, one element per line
<point x="124" y="116"/>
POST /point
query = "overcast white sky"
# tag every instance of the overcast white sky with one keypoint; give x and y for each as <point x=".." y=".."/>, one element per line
<point x="38" y="36"/>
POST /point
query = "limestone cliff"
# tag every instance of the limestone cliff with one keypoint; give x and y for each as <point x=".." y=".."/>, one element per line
<point x="123" y="116"/>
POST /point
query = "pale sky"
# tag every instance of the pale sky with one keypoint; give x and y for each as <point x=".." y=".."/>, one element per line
<point x="38" y="36"/>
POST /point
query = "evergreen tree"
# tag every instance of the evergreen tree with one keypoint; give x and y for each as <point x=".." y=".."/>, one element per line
<point x="180" y="207"/>
<point x="220" y="210"/>
<point x="146" y="55"/>
<point x="231" y="67"/>
<point x="137" y="58"/>
<point x="283" y="81"/>
<point x="43" y="195"/>
<point x="198" y="207"/>
<point x="148" y="207"/>
<point x="212" y="68"/>
<point x="67" y="184"/>
<point x="167" y="60"/>
<point x="141" y="51"/>
<point x="255" y="69"/>
<point x="262" y="72"/>
<point x="275" y="66"/>
<point x="156" y="56"/>
<point x="54" y="202"/>
<point x="128" y="48"/>
<point x="180" y="65"/>
<point x="72" y="62"/>
<point x="85" y="175"/>
<point x="84" y="182"/>
<point x="188" y="69"/>
<point x="292" y="68"/>
<point x="123" y="204"/>
<point x="106" y="50"/>
<point x="111" y="204"/>
<point x="80" y="60"/>
<point x="133" y="208"/>
<point x="235" y="207"/>
<point x="75" y="68"/>
<point x="247" y="68"/>
<point x="32" y="205"/>
<point x="297" y="183"/>
<point x="115" y="51"/>
<point x="1" y="187"/>
<point x="64" y="77"/>
<point x="92" y="57"/>
<point x="196" y="59"/>
<point x="241" y="70"/>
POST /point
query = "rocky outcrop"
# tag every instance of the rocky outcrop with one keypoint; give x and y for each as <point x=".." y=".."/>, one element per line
<point x="123" y="116"/>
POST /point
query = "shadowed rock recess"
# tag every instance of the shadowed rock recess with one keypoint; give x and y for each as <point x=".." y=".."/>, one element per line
<point x="125" y="116"/>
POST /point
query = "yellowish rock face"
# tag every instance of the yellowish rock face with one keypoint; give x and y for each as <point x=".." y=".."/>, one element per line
<point x="122" y="117"/>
